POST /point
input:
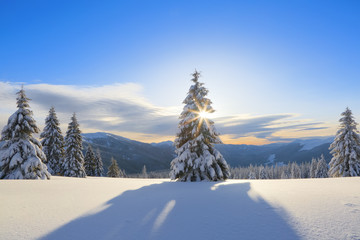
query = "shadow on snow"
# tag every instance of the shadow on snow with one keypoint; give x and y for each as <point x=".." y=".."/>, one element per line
<point x="175" y="210"/>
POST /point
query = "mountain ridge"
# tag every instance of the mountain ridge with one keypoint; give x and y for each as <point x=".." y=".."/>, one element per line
<point x="132" y="155"/>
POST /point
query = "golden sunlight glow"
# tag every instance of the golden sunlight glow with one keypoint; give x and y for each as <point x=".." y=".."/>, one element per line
<point x="204" y="114"/>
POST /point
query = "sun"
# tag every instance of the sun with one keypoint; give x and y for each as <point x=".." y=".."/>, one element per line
<point x="204" y="114"/>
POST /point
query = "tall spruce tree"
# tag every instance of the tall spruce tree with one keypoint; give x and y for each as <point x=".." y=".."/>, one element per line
<point x="21" y="155"/>
<point x="74" y="160"/>
<point x="53" y="143"/>
<point x="346" y="148"/>
<point x="90" y="162"/>
<point x="99" y="169"/>
<point x="197" y="159"/>
<point x="113" y="170"/>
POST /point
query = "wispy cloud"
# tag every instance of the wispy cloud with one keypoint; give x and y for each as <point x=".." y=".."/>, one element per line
<point x="121" y="108"/>
<point x="265" y="126"/>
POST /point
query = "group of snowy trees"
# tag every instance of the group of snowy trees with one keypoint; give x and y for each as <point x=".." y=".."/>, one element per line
<point x="317" y="168"/>
<point x="24" y="157"/>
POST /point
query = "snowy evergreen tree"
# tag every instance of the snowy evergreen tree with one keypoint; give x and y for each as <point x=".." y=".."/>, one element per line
<point x="295" y="170"/>
<point x="123" y="173"/>
<point x="21" y="155"/>
<point x="313" y="167"/>
<point x="144" y="173"/>
<point x="53" y="143"/>
<point x="74" y="160"/>
<point x="99" y="169"/>
<point x="113" y="170"/>
<point x="322" y="168"/>
<point x="346" y="148"/>
<point x="285" y="174"/>
<point x="263" y="174"/>
<point x="252" y="175"/>
<point x="90" y="162"/>
<point x="197" y="159"/>
<point x="305" y="170"/>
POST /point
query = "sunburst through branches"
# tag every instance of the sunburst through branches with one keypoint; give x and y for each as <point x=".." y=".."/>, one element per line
<point x="202" y="115"/>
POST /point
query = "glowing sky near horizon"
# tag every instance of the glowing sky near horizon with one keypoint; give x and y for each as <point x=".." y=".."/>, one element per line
<point x="276" y="70"/>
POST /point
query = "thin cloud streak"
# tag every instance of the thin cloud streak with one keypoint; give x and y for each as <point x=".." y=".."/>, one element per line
<point x="122" y="108"/>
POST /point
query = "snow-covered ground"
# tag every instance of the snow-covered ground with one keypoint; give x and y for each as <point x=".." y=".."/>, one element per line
<point x="105" y="208"/>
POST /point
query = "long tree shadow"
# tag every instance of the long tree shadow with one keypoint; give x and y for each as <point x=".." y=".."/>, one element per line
<point x="181" y="211"/>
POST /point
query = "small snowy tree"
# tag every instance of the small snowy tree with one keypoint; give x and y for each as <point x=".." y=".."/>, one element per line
<point x="113" y="170"/>
<point x="285" y="174"/>
<point x="21" y="155"/>
<point x="144" y="173"/>
<point x="305" y="170"/>
<point x="99" y="169"/>
<point x="197" y="159"/>
<point x="122" y="173"/>
<point x="74" y="161"/>
<point x="313" y="167"/>
<point x="263" y="174"/>
<point x="295" y="170"/>
<point x="89" y="162"/>
<point x="346" y="148"/>
<point x="53" y="143"/>
<point x="322" y="168"/>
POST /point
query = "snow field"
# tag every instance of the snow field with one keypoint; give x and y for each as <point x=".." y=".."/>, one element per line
<point x="123" y="208"/>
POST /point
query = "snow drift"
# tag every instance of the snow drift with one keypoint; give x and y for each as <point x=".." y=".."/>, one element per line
<point x="116" y="208"/>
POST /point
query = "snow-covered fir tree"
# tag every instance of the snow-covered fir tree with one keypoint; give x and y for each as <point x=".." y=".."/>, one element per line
<point x="313" y="167"/>
<point x="53" y="143"/>
<point x="285" y="174"/>
<point x="295" y="170"/>
<point x="90" y="162"/>
<point x="99" y="169"/>
<point x="113" y="170"/>
<point x="263" y="174"/>
<point x="21" y="155"/>
<point x="305" y="170"/>
<point x="123" y="173"/>
<point x="197" y="159"/>
<point x="73" y="165"/>
<point x="252" y="175"/>
<point x="322" y="168"/>
<point x="346" y="148"/>
<point x="144" y="172"/>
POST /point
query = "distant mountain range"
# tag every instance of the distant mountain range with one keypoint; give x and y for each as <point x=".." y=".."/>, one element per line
<point x="133" y="155"/>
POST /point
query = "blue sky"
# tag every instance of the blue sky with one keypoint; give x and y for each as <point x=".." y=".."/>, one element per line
<point x="275" y="69"/>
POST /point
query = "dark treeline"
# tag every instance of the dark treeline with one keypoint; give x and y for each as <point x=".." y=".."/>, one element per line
<point x="317" y="168"/>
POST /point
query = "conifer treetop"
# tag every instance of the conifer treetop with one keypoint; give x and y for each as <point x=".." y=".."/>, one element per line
<point x="196" y="75"/>
<point x="21" y="124"/>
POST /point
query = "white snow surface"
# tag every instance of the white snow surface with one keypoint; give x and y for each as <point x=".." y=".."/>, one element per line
<point x="123" y="208"/>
